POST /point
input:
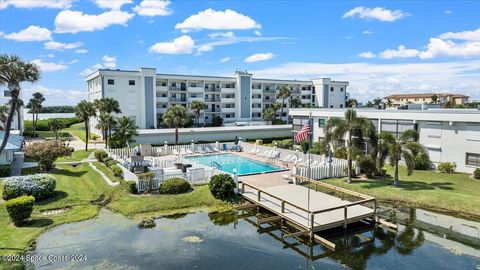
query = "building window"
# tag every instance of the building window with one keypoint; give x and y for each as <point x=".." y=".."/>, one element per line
<point x="131" y="82"/>
<point x="341" y="89"/>
<point x="331" y="89"/>
<point x="341" y="105"/>
<point x="193" y="84"/>
<point x="321" y="122"/>
<point x="111" y="81"/>
<point x="331" y="106"/>
<point x="472" y="159"/>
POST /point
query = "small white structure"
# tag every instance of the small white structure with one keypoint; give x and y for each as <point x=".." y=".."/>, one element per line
<point x="14" y="144"/>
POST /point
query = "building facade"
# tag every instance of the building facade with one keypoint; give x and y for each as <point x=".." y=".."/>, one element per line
<point x="144" y="95"/>
<point x="441" y="98"/>
<point x="449" y="135"/>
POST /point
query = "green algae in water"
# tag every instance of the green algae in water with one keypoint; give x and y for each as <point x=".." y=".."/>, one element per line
<point x="192" y="239"/>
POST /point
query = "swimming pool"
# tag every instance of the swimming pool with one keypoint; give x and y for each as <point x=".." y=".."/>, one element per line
<point x="228" y="162"/>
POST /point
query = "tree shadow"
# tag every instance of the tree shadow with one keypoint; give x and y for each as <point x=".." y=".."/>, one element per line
<point x="57" y="196"/>
<point x="405" y="185"/>
<point x="70" y="173"/>
<point x="37" y="223"/>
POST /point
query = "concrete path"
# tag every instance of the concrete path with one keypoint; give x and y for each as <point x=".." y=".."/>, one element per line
<point x="17" y="164"/>
<point x="113" y="184"/>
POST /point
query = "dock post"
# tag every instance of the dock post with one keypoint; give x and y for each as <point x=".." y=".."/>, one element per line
<point x="312" y="223"/>
<point x="345" y="217"/>
<point x="375" y="211"/>
<point x="283" y="206"/>
<point x="258" y="195"/>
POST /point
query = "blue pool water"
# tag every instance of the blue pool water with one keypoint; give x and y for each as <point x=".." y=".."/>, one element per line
<point x="228" y="162"/>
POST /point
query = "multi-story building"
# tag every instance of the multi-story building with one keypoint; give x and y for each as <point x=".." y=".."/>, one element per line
<point x="441" y="98"/>
<point x="145" y="95"/>
<point x="449" y="135"/>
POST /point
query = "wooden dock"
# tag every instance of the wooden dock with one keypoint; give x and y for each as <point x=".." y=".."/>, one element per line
<point x="323" y="211"/>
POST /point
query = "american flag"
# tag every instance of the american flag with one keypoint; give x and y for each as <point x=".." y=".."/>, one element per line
<point x="302" y="134"/>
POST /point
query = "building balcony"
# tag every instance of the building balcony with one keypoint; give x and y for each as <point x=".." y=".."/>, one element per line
<point x="210" y="110"/>
<point x="173" y="88"/>
<point x="271" y="91"/>
<point x="209" y="89"/>
<point x="257" y="109"/>
<point x="190" y="99"/>
<point x="228" y="100"/>
<point x="256" y="100"/>
<point x="162" y="88"/>
<point x="161" y="110"/>
<point x="268" y="100"/>
<point x="228" y="110"/>
<point x="228" y="90"/>
<point x="195" y="89"/>
<point x="172" y="99"/>
<point x="161" y="99"/>
<point x="212" y="99"/>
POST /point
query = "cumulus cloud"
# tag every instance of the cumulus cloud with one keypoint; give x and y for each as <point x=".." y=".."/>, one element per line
<point x="49" y="66"/>
<point x="367" y="55"/>
<point x="258" y="33"/>
<point x="81" y="51"/>
<point x="55" y="96"/>
<point x="181" y="45"/>
<point x="367" y="32"/>
<point x="259" y="57"/>
<point x="112" y="4"/>
<point x="31" y="33"/>
<point x="225" y="59"/>
<point x="377" y="13"/>
<point x="57" y="4"/>
<point x="108" y="62"/>
<point x="464" y="35"/>
<point x="59" y="46"/>
<point x="401" y="52"/>
<point x="217" y="20"/>
<point x="68" y="21"/>
<point x="228" y="34"/>
<point x="153" y="8"/>
<point x="438" y="47"/>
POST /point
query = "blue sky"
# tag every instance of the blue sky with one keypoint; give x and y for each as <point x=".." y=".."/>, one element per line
<point x="380" y="47"/>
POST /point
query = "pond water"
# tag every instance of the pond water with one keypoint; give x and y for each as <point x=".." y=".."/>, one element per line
<point x="230" y="241"/>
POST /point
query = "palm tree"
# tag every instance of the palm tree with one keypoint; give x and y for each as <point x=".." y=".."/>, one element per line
<point x="104" y="106"/>
<point x="434" y="99"/>
<point x="268" y="115"/>
<point x="105" y="122"/>
<point x="389" y="103"/>
<point x="197" y="107"/>
<point x="176" y="116"/>
<point x="4" y="109"/>
<point x="35" y="105"/>
<point x="125" y="129"/>
<point x="369" y="104"/>
<point x="377" y="101"/>
<point x="55" y="126"/>
<point x="337" y="129"/>
<point x="405" y="146"/>
<point x="275" y="106"/>
<point x="283" y="93"/>
<point x="295" y="102"/>
<point x="351" y="103"/>
<point x="14" y="71"/>
<point x="84" y="111"/>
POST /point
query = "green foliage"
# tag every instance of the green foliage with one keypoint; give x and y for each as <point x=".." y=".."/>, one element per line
<point x="217" y="121"/>
<point x="124" y="132"/>
<point x="100" y="155"/>
<point x="130" y="187"/>
<point x="422" y="161"/>
<point x="284" y="144"/>
<point x="340" y="152"/>
<point x="476" y="173"/>
<point x="304" y="145"/>
<point x="46" y="153"/>
<point x="111" y="163"/>
<point x="56" y="109"/>
<point x="38" y="185"/>
<point x="367" y="165"/>
<point x="446" y="167"/>
<point x="5" y="170"/>
<point x="106" y="160"/>
<point x="174" y="186"/>
<point x="278" y="122"/>
<point x="147" y="223"/>
<point x="147" y="177"/>
<point x="259" y="141"/>
<point x="319" y="148"/>
<point x="116" y="171"/>
<point x="20" y="209"/>
<point x="43" y="125"/>
<point x="222" y="186"/>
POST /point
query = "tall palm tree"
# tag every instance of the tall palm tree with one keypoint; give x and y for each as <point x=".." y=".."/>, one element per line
<point x="105" y="123"/>
<point x="35" y="105"/>
<point x="55" y="126"/>
<point x="125" y="129"/>
<point x="176" y="116"/>
<point x="84" y="111"/>
<point x="14" y="71"/>
<point x="377" y="101"/>
<point x="434" y="99"/>
<point x="4" y="109"/>
<point x="295" y="102"/>
<point x="105" y="106"/>
<point x="389" y="103"/>
<point x="404" y="145"/>
<point x="337" y="129"/>
<point x="283" y="93"/>
<point x="275" y="106"/>
<point x="20" y="104"/>
<point x="268" y="115"/>
<point x="351" y="103"/>
<point x="197" y="107"/>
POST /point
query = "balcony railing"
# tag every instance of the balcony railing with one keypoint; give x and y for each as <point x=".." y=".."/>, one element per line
<point x="212" y="100"/>
<point x="178" y="99"/>
<point x="174" y="88"/>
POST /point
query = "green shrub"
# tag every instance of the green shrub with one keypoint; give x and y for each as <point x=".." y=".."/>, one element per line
<point x="47" y="152"/>
<point x="446" y="167"/>
<point x="340" y="152"/>
<point x="284" y="144"/>
<point x="476" y="173"/>
<point x="147" y="223"/>
<point x="222" y="186"/>
<point x="19" y="209"/>
<point x="422" y="161"/>
<point x="116" y="171"/>
<point x="217" y="121"/>
<point x="147" y="177"/>
<point x="259" y="141"/>
<point x="110" y="163"/>
<point x="42" y="125"/>
<point x="106" y="160"/>
<point x="367" y="165"/>
<point x="278" y="122"/>
<point x="319" y="148"/>
<point x="5" y="170"/>
<point x="174" y="186"/>
<point x="305" y="146"/>
<point x="100" y="155"/>
<point x="39" y="186"/>
<point x="130" y="187"/>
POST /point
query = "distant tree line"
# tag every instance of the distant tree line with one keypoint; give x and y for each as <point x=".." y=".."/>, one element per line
<point x="55" y="109"/>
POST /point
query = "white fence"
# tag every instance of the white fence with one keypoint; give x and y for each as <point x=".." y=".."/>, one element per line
<point x="325" y="171"/>
<point x="194" y="177"/>
<point x="170" y="149"/>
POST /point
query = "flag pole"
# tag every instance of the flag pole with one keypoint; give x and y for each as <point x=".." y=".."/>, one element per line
<point x="309" y="162"/>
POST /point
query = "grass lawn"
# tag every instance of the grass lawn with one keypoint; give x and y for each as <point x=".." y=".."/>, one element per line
<point x="79" y="131"/>
<point x="106" y="171"/>
<point x="77" y="155"/>
<point x="51" y="134"/>
<point x="456" y="194"/>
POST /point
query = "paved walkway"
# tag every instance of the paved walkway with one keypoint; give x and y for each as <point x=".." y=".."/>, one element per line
<point x="113" y="184"/>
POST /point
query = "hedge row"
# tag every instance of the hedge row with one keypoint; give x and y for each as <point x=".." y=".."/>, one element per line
<point x="39" y="186"/>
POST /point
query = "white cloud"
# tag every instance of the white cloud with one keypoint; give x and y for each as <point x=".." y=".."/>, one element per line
<point x="181" y="45"/>
<point x="217" y="20"/>
<point x="369" y="80"/>
<point x="438" y="47"/>
<point x="225" y="59"/>
<point x="60" y="4"/>
<point x="377" y="13"/>
<point x="367" y="55"/>
<point x="258" y="33"/>
<point x="464" y="35"/>
<point x="49" y="67"/>
<point x="448" y="12"/>
<point x="204" y="48"/>
<point x="31" y="33"/>
<point x="109" y="62"/>
<point x="153" y="8"/>
<point x="228" y="34"/>
<point x="53" y="45"/>
<point x="112" y="4"/>
<point x="81" y="51"/>
<point x="56" y="96"/>
<point x="68" y="21"/>
<point x="73" y="61"/>
<point x="367" y="32"/>
<point x="259" y="57"/>
<point x="401" y="52"/>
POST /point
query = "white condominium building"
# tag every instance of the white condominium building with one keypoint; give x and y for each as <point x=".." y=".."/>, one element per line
<point x="449" y="135"/>
<point x="145" y="95"/>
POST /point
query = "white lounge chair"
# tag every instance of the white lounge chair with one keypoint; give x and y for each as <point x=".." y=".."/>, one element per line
<point x="216" y="149"/>
<point x="286" y="158"/>
<point x="208" y="149"/>
<point x="262" y="154"/>
<point x="175" y="152"/>
<point x="189" y="151"/>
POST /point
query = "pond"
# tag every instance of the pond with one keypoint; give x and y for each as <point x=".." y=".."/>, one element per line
<point x="232" y="241"/>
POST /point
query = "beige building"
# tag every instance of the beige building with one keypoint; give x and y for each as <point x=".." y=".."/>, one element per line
<point x="442" y="98"/>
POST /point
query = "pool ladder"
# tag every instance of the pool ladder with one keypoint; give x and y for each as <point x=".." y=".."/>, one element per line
<point x="216" y="165"/>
